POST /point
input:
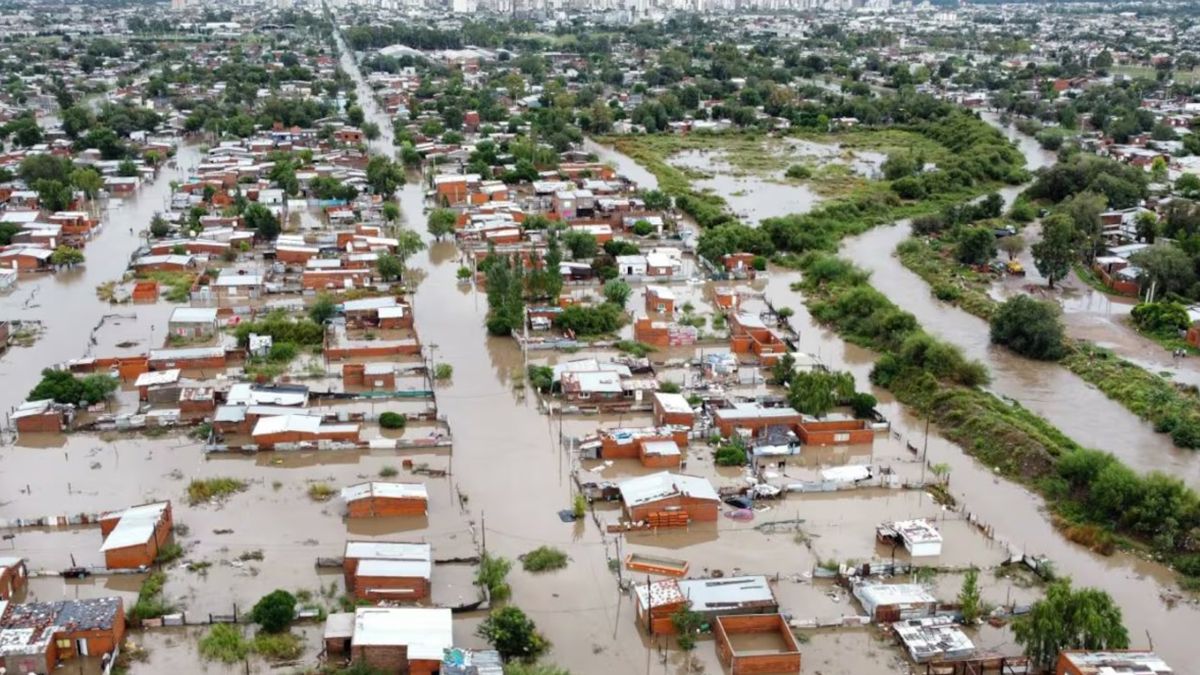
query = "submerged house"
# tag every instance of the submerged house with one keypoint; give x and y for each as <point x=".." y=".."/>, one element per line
<point x="383" y="570"/>
<point x="656" y="601"/>
<point x="36" y="637"/>
<point x="133" y="537"/>
<point x="378" y="499"/>
<point x="409" y="640"/>
<point x="667" y="499"/>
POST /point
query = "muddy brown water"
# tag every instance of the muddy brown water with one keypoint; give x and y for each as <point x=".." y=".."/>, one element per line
<point x="508" y="466"/>
<point x="506" y="459"/>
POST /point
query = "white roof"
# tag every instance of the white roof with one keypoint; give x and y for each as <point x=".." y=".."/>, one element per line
<point x="161" y="259"/>
<point x="385" y="567"/>
<point x="388" y="550"/>
<point x="31" y="408"/>
<point x="283" y="423"/>
<point x="716" y="594"/>
<point x="660" y="448"/>
<point x="136" y="526"/>
<point x="673" y="403"/>
<point x="368" y="303"/>
<point x="661" y="292"/>
<point x="585" y="365"/>
<point x="600" y="382"/>
<point x="916" y="531"/>
<point x="194" y="315"/>
<point x="385" y="490"/>
<point x="662" y="485"/>
<point x="426" y="632"/>
<point x="245" y="393"/>
<point x="876" y="595"/>
<point x="154" y="377"/>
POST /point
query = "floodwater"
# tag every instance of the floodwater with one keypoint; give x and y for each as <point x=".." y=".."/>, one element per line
<point x="508" y="480"/>
<point x="66" y="302"/>
<point x="506" y="459"/>
<point x="751" y="197"/>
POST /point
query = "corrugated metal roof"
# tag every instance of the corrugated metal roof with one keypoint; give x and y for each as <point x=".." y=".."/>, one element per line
<point x="662" y="485"/>
<point x="136" y="526"/>
<point x="385" y="490"/>
<point x="426" y="632"/>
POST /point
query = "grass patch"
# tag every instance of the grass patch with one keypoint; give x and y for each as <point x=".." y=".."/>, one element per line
<point x="170" y="552"/>
<point x="634" y="348"/>
<point x="321" y="492"/>
<point x="389" y="472"/>
<point x="203" y="490"/>
<point x="544" y="559"/>
<point x="225" y="643"/>
<point x="177" y="285"/>
<point x="278" y="646"/>
<point x="150" y="602"/>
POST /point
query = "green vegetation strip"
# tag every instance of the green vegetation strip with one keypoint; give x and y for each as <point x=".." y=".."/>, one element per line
<point x="1172" y="409"/>
<point x="1095" y="498"/>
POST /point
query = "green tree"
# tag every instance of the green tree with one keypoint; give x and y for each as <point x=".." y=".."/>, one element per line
<point x="275" y="611"/>
<point x="260" y="219"/>
<point x="1084" y="210"/>
<point x="513" y="634"/>
<point x="408" y="244"/>
<point x="1166" y="266"/>
<point x="354" y="114"/>
<point x="1055" y="252"/>
<point x="1147" y="227"/>
<point x="656" y="200"/>
<point x="817" y="392"/>
<point x="441" y="222"/>
<point x="389" y="267"/>
<point x="1069" y="619"/>
<point x="88" y="180"/>
<point x="66" y="255"/>
<point x="63" y="387"/>
<point x="1188" y="185"/>
<point x="384" y="176"/>
<point x="53" y="195"/>
<point x="1158" y="170"/>
<point x="391" y="211"/>
<point x="1029" y="327"/>
<point x="582" y="245"/>
<point x="617" y="292"/>
<point x="323" y="309"/>
<point x="969" y="598"/>
<point x="127" y="168"/>
<point x="976" y="246"/>
<point x="1012" y="245"/>
<point x="159" y="227"/>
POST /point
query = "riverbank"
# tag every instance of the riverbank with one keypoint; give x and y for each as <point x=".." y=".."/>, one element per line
<point x="1170" y="408"/>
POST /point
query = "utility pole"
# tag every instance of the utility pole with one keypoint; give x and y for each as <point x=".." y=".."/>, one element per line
<point x="925" y="451"/>
<point x="483" y="529"/>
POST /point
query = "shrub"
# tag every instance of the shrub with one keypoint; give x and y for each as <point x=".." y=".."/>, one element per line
<point x="443" y="371"/>
<point x="492" y="575"/>
<point x="282" y="352"/>
<point x="225" y="642"/>
<point x="393" y="420"/>
<point x="202" y="490"/>
<point x="321" y="492"/>
<point x="1029" y="327"/>
<point x="541" y="378"/>
<point x="275" y="611"/>
<point x="150" y="602"/>
<point x="604" y="318"/>
<point x="169" y="552"/>
<point x="544" y="559"/>
<point x="579" y="506"/>
<point x="388" y="472"/>
<point x="642" y="228"/>
<point x="1160" y="318"/>
<point x="513" y="634"/>
<point x="798" y="172"/>
<point x="63" y="387"/>
<point x="732" y="453"/>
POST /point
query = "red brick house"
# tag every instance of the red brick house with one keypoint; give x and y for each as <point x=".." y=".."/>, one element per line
<point x="408" y="640"/>
<point x="41" y="635"/>
<point x="393" y="571"/>
<point x="673" y="409"/>
<point x="133" y="537"/>
<point x="377" y="499"/>
<point x="669" y="500"/>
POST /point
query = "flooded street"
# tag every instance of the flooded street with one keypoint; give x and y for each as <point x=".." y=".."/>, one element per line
<point x="66" y="302"/>
<point x="507" y="460"/>
<point x="509" y="476"/>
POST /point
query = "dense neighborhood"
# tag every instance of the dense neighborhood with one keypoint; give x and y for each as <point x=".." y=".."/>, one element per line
<point x="526" y="338"/>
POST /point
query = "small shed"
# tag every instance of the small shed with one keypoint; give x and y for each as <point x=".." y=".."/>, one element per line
<point x="889" y="603"/>
<point x="378" y="499"/>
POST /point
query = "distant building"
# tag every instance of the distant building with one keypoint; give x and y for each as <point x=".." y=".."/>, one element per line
<point x="1131" y="662"/>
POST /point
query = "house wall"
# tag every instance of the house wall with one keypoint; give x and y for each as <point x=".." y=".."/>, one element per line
<point x="835" y="432"/>
<point x="49" y="422"/>
<point x="752" y="664"/>
<point x="657" y="621"/>
<point x="131" y="557"/>
<point x="697" y="510"/>
<point x="12" y="580"/>
<point x="386" y="507"/>
<point x="659" y="461"/>
<point x="412" y="589"/>
<point x="213" y="362"/>
<point x="755" y="425"/>
<point x="390" y="659"/>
